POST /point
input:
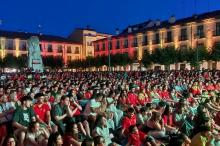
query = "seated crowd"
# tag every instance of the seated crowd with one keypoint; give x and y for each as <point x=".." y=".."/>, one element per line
<point x="153" y="108"/>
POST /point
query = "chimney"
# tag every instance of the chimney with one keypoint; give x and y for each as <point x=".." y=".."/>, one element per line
<point x="158" y="22"/>
<point x="129" y="29"/>
<point x="117" y="31"/>
<point x="172" y="19"/>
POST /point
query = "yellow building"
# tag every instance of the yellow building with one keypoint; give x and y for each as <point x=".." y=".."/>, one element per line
<point x="86" y="37"/>
<point x="15" y="43"/>
<point x="190" y="32"/>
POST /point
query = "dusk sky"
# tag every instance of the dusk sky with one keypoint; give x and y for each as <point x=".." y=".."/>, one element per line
<point x="61" y="17"/>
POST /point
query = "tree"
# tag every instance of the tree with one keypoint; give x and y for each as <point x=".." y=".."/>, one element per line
<point x="157" y="56"/>
<point x="183" y="54"/>
<point x="147" y="60"/>
<point x="53" y="62"/>
<point x="169" y="56"/>
<point x="21" y="61"/>
<point x="215" y="53"/>
<point x="10" y="61"/>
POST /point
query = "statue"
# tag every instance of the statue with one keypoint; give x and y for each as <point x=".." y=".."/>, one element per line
<point x="34" y="55"/>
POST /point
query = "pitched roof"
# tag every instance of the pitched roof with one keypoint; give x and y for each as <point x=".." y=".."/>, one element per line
<point x="27" y="35"/>
<point x="151" y="25"/>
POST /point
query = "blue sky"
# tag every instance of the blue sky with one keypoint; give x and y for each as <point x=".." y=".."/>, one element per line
<point x="61" y="17"/>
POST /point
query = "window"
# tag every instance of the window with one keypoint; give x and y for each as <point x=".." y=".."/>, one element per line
<point x="49" y="48"/>
<point x="157" y="38"/>
<point x="69" y="58"/>
<point x="217" y="32"/>
<point x="169" y="36"/>
<point x="69" y="50"/>
<point x="97" y="47"/>
<point x="118" y="44"/>
<point x="77" y="50"/>
<point x="9" y="44"/>
<point x="89" y="53"/>
<point x="135" y="42"/>
<point x="200" y="31"/>
<point x="145" y="39"/>
<point x="183" y="36"/>
<point x="126" y="43"/>
<point x="110" y="45"/>
<point x="89" y="43"/>
<point x="23" y="46"/>
<point x="59" y="49"/>
<point x="103" y="46"/>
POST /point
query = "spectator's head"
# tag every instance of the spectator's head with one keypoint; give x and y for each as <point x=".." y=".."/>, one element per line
<point x="26" y="101"/>
<point x="99" y="141"/>
<point x="133" y="129"/>
<point x="130" y="112"/>
<point x="101" y="121"/>
<point x="156" y="116"/>
<point x="88" y="142"/>
<point x="65" y="100"/>
<point x="34" y="126"/>
<point x="10" y="140"/>
<point x="176" y="141"/>
<point x="39" y="97"/>
<point x="55" y="139"/>
<point x="205" y="130"/>
<point x="72" y="126"/>
<point x="99" y="97"/>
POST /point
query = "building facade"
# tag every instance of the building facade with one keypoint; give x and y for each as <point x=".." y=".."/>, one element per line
<point x="86" y="37"/>
<point x="15" y="43"/>
<point x="191" y="32"/>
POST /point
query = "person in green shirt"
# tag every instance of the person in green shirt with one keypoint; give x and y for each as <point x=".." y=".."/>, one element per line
<point x="22" y="117"/>
<point x="61" y="112"/>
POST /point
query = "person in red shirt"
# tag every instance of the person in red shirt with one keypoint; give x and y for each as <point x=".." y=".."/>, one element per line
<point x="128" y="120"/>
<point x="132" y="98"/>
<point x="42" y="111"/>
<point x="138" y="138"/>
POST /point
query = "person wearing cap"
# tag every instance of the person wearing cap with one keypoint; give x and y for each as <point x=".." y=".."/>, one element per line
<point x="23" y="116"/>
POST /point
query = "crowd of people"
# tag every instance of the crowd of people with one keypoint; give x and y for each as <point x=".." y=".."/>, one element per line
<point x="151" y="108"/>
